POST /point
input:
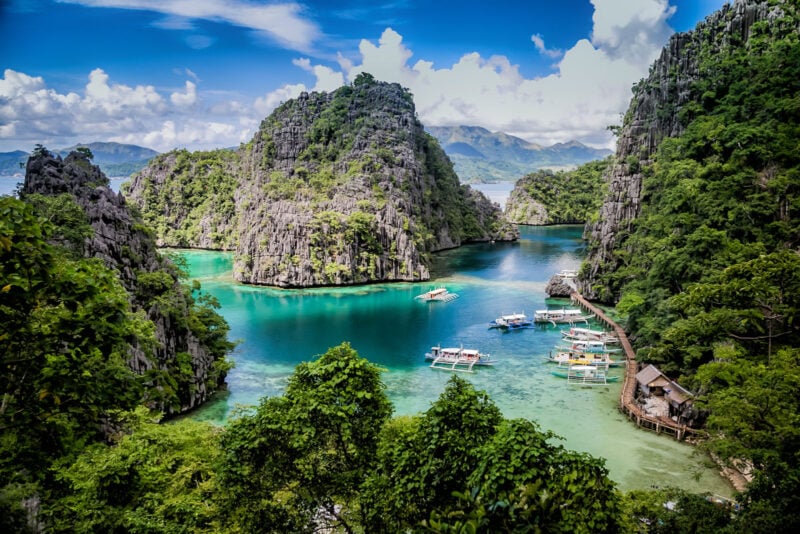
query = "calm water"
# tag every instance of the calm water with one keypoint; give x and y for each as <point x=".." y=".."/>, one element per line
<point x="384" y="323"/>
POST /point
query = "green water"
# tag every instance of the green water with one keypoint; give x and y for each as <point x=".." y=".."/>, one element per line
<point x="279" y="328"/>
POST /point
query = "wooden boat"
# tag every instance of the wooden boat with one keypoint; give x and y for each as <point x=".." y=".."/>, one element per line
<point x="564" y="315"/>
<point x="567" y="357"/>
<point x="440" y="294"/>
<point x="587" y="375"/>
<point x="511" y="322"/>
<point x="587" y="334"/>
<point x="457" y="358"/>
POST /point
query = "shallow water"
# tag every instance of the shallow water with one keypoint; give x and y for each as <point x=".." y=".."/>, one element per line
<point x="279" y="328"/>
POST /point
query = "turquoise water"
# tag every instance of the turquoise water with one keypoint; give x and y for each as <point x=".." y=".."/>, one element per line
<point x="279" y="328"/>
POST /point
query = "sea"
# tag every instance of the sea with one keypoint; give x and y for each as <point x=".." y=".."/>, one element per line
<point x="279" y="328"/>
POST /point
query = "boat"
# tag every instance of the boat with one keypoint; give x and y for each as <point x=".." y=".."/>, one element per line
<point x="587" y="334"/>
<point x="457" y="358"/>
<point x="440" y="294"/>
<point x="511" y="322"/>
<point x="564" y="315"/>
<point x="568" y="357"/>
<point x="590" y="347"/>
<point x="588" y="375"/>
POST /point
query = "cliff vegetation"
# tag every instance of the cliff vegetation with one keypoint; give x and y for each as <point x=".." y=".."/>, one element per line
<point x="563" y="197"/>
<point x="697" y="239"/>
<point x="95" y="322"/>
<point x="334" y="189"/>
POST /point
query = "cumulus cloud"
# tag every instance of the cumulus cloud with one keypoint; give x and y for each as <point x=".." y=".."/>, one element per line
<point x="187" y="99"/>
<point x="31" y="113"/>
<point x="588" y="90"/>
<point x="283" y="22"/>
<point x="538" y="42"/>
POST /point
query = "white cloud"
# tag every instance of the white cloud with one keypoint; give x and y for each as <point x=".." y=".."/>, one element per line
<point x="31" y="113"/>
<point x="538" y="42"/>
<point x="187" y="99"/>
<point x="588" y="90"/>
<point x="283" y="22"/>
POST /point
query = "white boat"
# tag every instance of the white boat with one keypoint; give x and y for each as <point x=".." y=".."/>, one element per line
<point x="564" y="315"/>
<point x="457" y="358"/>
<point x="587" y="334"/>
<point x="440" y="294"/>
<point x="570" y="357"/>
<point x="511" y="322"/>
<point x="585" y="375"/>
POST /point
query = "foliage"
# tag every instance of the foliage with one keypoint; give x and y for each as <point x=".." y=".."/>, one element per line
<point x="708" y="274"/>
<point x="669" y="510"/>
<point x="153" y="478"/>
<point x="199" y="193"/>
<point x="67" y="326"/>
<point x="302" y="457"/>
<point x="461" y="468"/>
<point x="567" y="196"/>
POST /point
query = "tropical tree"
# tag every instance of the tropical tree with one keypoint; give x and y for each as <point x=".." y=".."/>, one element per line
<point x="297" y="462"/>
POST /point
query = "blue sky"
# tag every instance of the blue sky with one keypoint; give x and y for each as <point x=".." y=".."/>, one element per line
<point x="202" y="74"/>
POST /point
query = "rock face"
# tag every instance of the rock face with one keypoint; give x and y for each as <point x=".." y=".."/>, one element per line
<point x="521" y="208"/>
<point x="126" y="246"/>
<point x="654" y="114"/>
<point x="563" y="197"/>
<point x="334" y="189"/>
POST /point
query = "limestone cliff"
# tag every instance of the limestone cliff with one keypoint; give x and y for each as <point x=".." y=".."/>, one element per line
<point x="565" y="197"/>
<point x="334" y="189"/>
<point x="660" y="108"/>
<point x="187" y="362"/>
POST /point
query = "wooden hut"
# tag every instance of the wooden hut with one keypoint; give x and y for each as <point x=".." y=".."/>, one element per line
<point x="655" y="384"/>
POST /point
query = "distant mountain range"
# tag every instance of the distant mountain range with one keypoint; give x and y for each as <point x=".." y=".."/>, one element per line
<point x="114" y="159"/>
<point x="479" y="155"/>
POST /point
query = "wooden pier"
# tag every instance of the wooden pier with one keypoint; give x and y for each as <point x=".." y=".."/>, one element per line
<point x="627" y="402"/>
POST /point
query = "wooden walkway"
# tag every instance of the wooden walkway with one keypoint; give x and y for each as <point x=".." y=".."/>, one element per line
<point x="627" y="402"/>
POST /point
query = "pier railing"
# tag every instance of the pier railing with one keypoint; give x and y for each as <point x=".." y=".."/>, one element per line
<point x="627" y="402"/>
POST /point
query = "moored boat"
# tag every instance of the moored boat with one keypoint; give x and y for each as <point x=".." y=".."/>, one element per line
<point x="511" y="322"/>
<point x="457" y="358"/>
<point x="440" y="294"/>
<point x="564" y="315"/>
<point x="587" y="334"/>
<point x="588" y="375"/>
<point x="567" y="357"/>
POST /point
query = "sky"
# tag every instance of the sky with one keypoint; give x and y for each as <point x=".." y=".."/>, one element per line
<point x="202" y="74"/>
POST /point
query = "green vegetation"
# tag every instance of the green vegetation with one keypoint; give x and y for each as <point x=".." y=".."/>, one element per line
<point x="709" y="274"/>
<point x="199" y="193"/>
<point x="567" y="196"/>
<point x="72" y="330"/>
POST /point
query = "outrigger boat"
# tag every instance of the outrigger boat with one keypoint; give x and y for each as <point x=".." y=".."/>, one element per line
<point x="570" y="357"/>
<point x="511" y="322"/>
<point x="587" y="334"/>
<point x="440" y="294"/>
<point x="587" y="375"/>
<point x="457" y="358"/>
<point x="564" y="315"/>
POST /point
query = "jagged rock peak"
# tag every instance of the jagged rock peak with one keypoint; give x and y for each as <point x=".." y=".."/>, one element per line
<point x="127" y="247"/>
<point x="657" y="111"/>
<point x="334" y="189"/>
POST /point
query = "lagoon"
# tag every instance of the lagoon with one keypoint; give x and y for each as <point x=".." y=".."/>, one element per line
<point x="279" y="328"/>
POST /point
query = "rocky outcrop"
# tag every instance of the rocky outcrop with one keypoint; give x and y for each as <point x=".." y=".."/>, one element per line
<point x="126" y="246"/>
<point x="334" y="189"/>
<point x="521" y="208"/>
<point x="657" y="111"/>
<point x="564" y="197"/>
